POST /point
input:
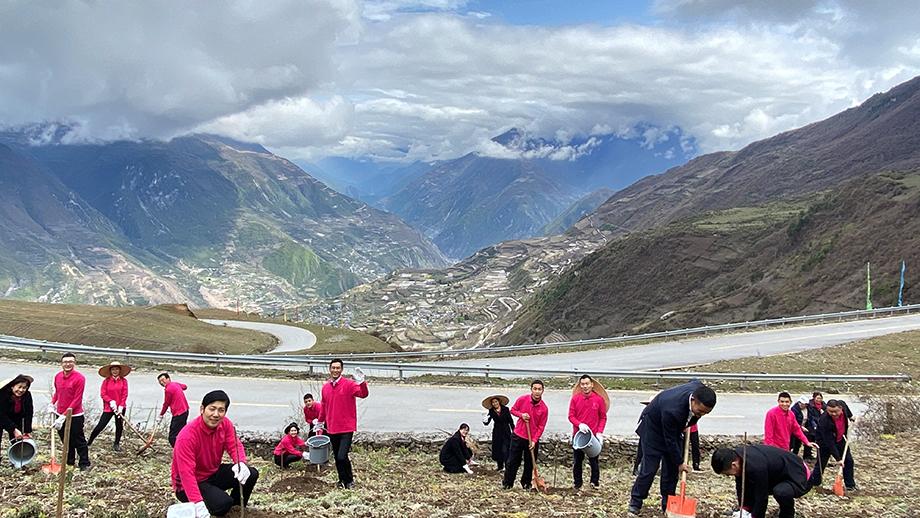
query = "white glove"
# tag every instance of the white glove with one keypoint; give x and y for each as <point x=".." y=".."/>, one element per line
<point x="240" y="472"/>
<point x="582" y="427"/>
<point x="359" y="375"/>
<point x="600" y="437"/>
<point x="59" y="422"/>
<point x="112" y="405"/>
<point x="121" y="410"/>
<point x="50" y="409"/>
<point x="741" y="514"/>
<point x="201" y="510"/>
<point x="305" y="455"/>
<point x="315" y="422"/>
<point x="320" y="426"/>
<point x="159" y="420"/>
<point x="485" y="419"/>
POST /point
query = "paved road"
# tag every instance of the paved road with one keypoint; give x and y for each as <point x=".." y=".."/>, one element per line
<point x="696" y="351"/>
<point x="268" y="405"/>
<point x="290" y="338"/>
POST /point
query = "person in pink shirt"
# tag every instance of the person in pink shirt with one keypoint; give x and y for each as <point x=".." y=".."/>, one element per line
<point x="587" y="413"/>
<point x="780" y="425"/>
<point x="68" y="394"/>
<point x="339" y="416"/>
<point x="532" y="413"/>
<point x="198" y="476"/>
<point x="174" y="400"/>
<point x="311" y="412"/>
<point x="291" y="448"/>
<point x="114" y="393"/>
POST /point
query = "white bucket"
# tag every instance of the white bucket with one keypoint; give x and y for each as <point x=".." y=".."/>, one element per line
<point x="21" y="453"/>
<point x="319" y="449"/>
<point x="186" y="510"/>
<point x="587" y="442"/>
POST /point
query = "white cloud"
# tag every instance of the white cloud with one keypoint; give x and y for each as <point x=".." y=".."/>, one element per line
<point x="429" y="79"/>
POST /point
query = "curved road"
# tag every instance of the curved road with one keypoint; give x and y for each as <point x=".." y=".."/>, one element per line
<point x="290" y="338"/>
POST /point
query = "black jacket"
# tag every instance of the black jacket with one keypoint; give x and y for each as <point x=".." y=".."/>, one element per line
<point x="455" y="452"/>
<point x="10" y="420"/>
<point x="662" y="423"/>
<point x="826" y="435"/>
<point x="811" y="417"/>
<point x="767" y="466"/>
<point x="501" y="432"/>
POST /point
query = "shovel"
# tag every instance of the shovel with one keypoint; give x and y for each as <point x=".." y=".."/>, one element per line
<point x="538" y="481"/>
<point x="62" y="478"/>
<point x="52" y="468"/>
<point x="131" y="426"/>
<point x="681" y="506"/>
<point x="838" y="480"/>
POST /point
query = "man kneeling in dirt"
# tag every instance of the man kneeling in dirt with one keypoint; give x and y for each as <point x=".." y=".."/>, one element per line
<point x="767" y="471"/>
<point x="197" y="474"/>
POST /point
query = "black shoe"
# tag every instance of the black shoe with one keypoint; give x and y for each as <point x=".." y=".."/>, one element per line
<point x="633" y="510"/>
<point x="853" y="488"/>
<point x="116" y="448"/>
<point x="577" y="488"/>
<point x="504" y="486"/>
<point x="595" y="486"/>
<point x="85" y="468"/>
<point x="526" y="486"/>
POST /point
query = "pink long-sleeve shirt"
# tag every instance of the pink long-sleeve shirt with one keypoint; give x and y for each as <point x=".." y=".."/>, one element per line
<point x="68" y="392"/>
<point x="779" y="426"/>
<point x="292" y="445"/>
<point x="113" y="389"/>
<point x="174" y="399"/>
<point x="340" y="410"/>
<point x="314" y="412"/>
<point x="538" y="416"/>
<point x="198" y="452"/>
<point x="590" y="409"/>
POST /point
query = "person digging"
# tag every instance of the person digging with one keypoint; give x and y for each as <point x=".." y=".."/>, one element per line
<point x="114" y="393"/>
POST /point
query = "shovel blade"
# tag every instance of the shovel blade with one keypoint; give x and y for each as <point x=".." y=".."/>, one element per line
<point x="681" y="507"/>
<point x="838" y="486"/>
<point x="52" y="469"/>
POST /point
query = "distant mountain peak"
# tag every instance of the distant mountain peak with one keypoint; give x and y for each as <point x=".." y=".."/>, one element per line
<point x="232" y="143"/>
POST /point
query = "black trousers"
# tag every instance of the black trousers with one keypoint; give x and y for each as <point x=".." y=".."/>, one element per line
<point x="453" y="468"/>
<point x="785" y="494"/>
<point x="849" y="479"/>
<point x="795" y="443"/>
<point x="516" y="453"/>
<point x="341" y="446"/>
<point x="103" y="422"/>
<point x="78" y="443"/>
<point x="695" y="449"/>
<point x="176" y="424"/>
<point x="285" y="460"/>
<point x="648" y="468"/>
<point x="578" y="464"/>
<point x="214" y="490"/>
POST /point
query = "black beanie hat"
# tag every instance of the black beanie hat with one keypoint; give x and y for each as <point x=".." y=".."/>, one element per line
<point x="215" y="395"/>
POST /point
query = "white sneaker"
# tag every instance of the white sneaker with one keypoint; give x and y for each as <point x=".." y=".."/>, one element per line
<point x="467" y="469"/>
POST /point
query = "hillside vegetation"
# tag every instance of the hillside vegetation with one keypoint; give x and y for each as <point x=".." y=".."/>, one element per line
<point x="744" y="263"/>
<point x="157" y="328"/>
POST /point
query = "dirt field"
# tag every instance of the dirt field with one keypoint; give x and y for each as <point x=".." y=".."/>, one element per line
<point x="395" y="483"/>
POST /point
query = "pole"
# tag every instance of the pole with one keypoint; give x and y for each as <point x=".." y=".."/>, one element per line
<point x="868" y="289"/>
<point x="62" y="479"/>
<point x="901" y="289"/>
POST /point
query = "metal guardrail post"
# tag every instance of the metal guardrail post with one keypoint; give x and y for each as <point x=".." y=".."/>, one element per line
<point x="401" y="374"/>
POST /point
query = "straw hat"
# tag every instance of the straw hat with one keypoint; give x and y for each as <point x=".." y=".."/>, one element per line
<point x="7" y="383"/>
<point x="598" y="389"/>
<point x="105" y="371"/>
<point x="487" y="402"/>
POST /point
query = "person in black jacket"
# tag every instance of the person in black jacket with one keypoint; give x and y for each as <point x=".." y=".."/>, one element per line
<point x="16" y="407"/>
<point x="501" y="429"/>
<point x="455" y="454"/>
<point x="807" y="418"/>
<point x="661" y="431"/>
<point x="833" y="426"/>
<point x="768" y="470"/>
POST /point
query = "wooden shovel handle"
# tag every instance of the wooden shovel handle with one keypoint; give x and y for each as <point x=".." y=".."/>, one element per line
<point x="62" y="479"/>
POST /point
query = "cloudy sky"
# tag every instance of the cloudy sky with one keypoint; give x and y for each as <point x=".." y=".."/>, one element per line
<point x="425" y="79"/>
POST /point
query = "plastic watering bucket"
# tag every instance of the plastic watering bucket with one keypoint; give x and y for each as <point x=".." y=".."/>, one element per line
<point x="21" y="453"/>
<point x="319" y="449"/>
<point x="587" y="442"/>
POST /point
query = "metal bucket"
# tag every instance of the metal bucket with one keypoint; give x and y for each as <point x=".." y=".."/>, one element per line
<point x="22" y="452"/>
<point x="319" y="449"/>
<point x="588" y="442"/>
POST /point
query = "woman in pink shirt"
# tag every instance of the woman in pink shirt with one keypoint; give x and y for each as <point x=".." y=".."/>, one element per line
<point x="291" y="448"/>
<point x="114" y="393"/>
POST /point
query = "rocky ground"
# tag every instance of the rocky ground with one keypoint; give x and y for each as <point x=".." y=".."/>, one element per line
<point x="400" y="483"/>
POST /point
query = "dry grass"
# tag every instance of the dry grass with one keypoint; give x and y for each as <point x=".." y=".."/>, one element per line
<point x="127" y="327"/>
<point x="398" y="483"/>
